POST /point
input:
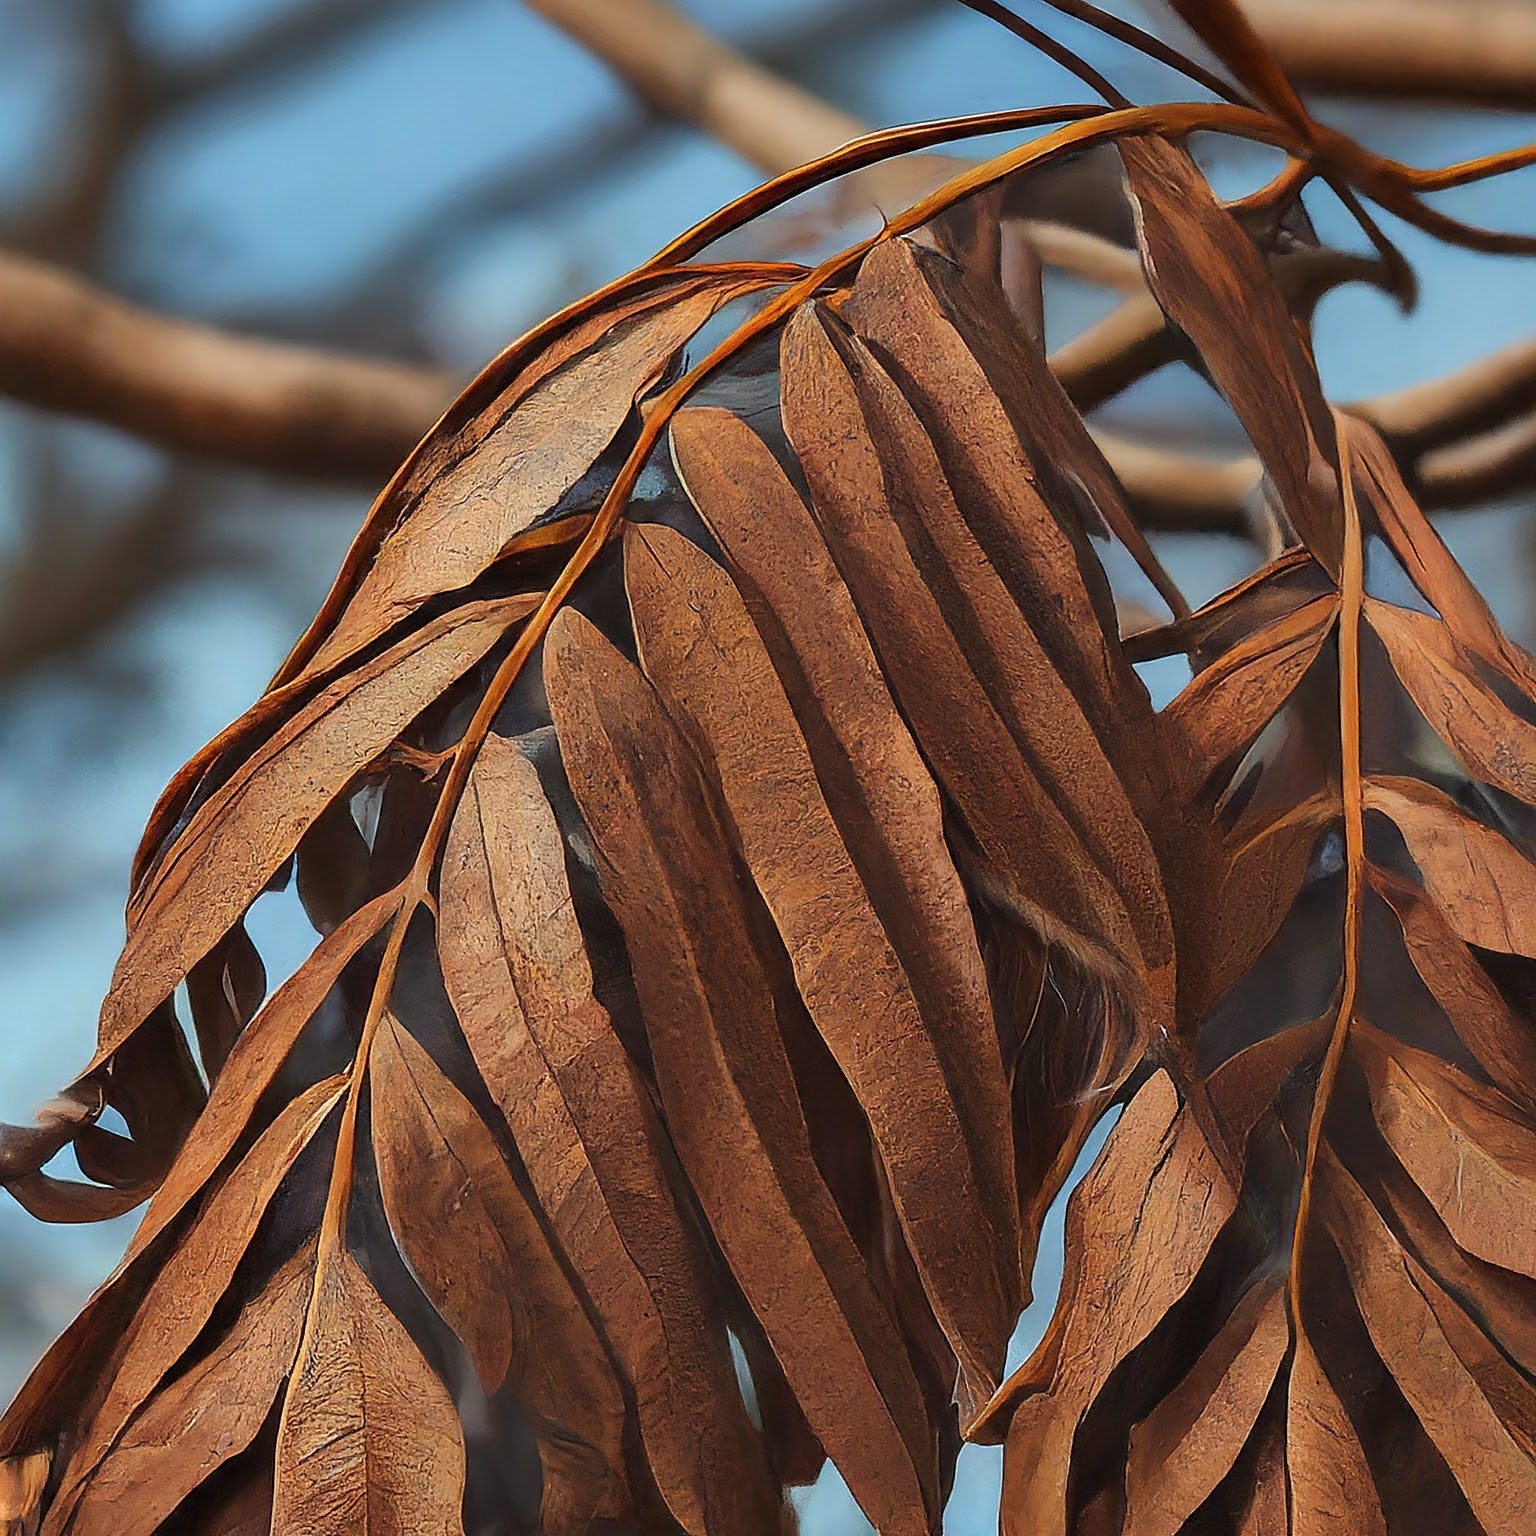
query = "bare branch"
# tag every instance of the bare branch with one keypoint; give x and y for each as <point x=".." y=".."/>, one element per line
<point x="1496" y="465"/>
<point x="1476" y="399"/>
<point x="1181" y="491"/>
<point x="686" y="73"/>
<point x="69" y="347"/>
<point x="1128" y="343"/>
<point x="1479" y="51"/>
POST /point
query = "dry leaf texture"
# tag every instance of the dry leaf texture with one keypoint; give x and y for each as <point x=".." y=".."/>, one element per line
<point x="745" y="865"/>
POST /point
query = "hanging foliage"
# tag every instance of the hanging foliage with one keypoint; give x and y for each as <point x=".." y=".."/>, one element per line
<point x="745" y="865"/>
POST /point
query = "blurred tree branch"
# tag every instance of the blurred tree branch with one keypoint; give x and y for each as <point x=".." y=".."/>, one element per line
<point x="68" y="347"/>
<point x="1482" y="52"/>
<point x="687" y="73"/>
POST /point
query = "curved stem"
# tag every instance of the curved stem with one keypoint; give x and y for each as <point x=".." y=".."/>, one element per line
<point x="1351" y="608"/>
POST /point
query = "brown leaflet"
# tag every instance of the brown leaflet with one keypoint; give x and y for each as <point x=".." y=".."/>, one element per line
<point x="477" y="413"/>
<point x="1237" y="896"/>
<point x="1332" y="1490"/>
<point x="200" y="1419"/>
<point x="700" y="650"/>
<point x="225" y="988"/>
<point x="725" y="1083"/>
<point x="1266" y="1508"/>
<point x="1506" y="1302"/>
<point x="1263" y="599"/>
<point x="69" y="1201"/>
<point x="193" y="1280"/>
<point x="239" y="837"/>
<point x="1242" y="1090"/>
<point x="1005" y="432"/>
<point x="1020" y="678"/>
<point x="515" y="965"/>
<point x="1189" y="1442"/>
<point x="1428" y="563"/>
<point x="189" y="784"/>
<point x="1482" y="884"/>
<point x="154" y="1084"/>
<point x="483" y="1259"/>
<point x="1407" y="1315"/>
<point x="22" y="1481"/>
<point x="972" y="753"/>
<point x="25" y="1148"/>
<point x="1231" y="701"/>
<point x="1497" y="1036"/>
<point x="483" y="409"/>
<point x="539" y="450"/>
<point x="334" y="863"/>
<point x="877" y="787"/>
<point x="1267" y="596"/>
<point x="1213" y="284"/>
<point x="369" y="1443"/>
<point x="1497" y="744"/>
<point x="1463" y="1145"/>
<point x="254" y="1062"/>
<point x="1139" y="1227"/>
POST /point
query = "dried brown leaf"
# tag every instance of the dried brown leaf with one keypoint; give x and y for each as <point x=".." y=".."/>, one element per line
<point x="484" y="1261"/>
<point x="369" y="1441"/>
<point x="725" y="1083"/>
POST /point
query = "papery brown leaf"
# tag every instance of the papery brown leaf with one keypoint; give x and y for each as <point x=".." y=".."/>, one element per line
<point x="370" y="1440"/>
<point x="725" y="1083"/>
<point x="877" y="788"/>
<point x="1140" y="1225"/>
<point x="1214" y="285"/>
<point x="485" y="1263"/>
<point x="1482" y="883"/>
<point x="1229" y="702"/>
<point x="202" y="1418"/>
<point x="1441" y="679"/>
<point x="541" y="443"/>
<point x="192" y="1280"/>
<point x="1181" y="1451"/>
<point x="712" y="674"/>
<point x="996" y="788"/>
<point x="516" y="967"/>
<point x="1464" y="1404"/>
<point x="1464" y="1146"/>
<point x="255" y="1061"/>
<point x="1332" y="1492"/>
<point x="239" y="837"/>
<point x="1351" y="918"/>
<point x="1493" y="1031"/>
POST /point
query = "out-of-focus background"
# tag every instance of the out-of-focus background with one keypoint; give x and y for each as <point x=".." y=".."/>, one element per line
<point x="423" y="179"/>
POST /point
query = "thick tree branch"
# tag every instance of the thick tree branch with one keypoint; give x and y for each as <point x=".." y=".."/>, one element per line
<point x="1487" y="468"/>
<point x="1477" y="399"/>
<point x="1477" y="51"/>
<point x="69" y="347"/>
<point x="683" y="71"/>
